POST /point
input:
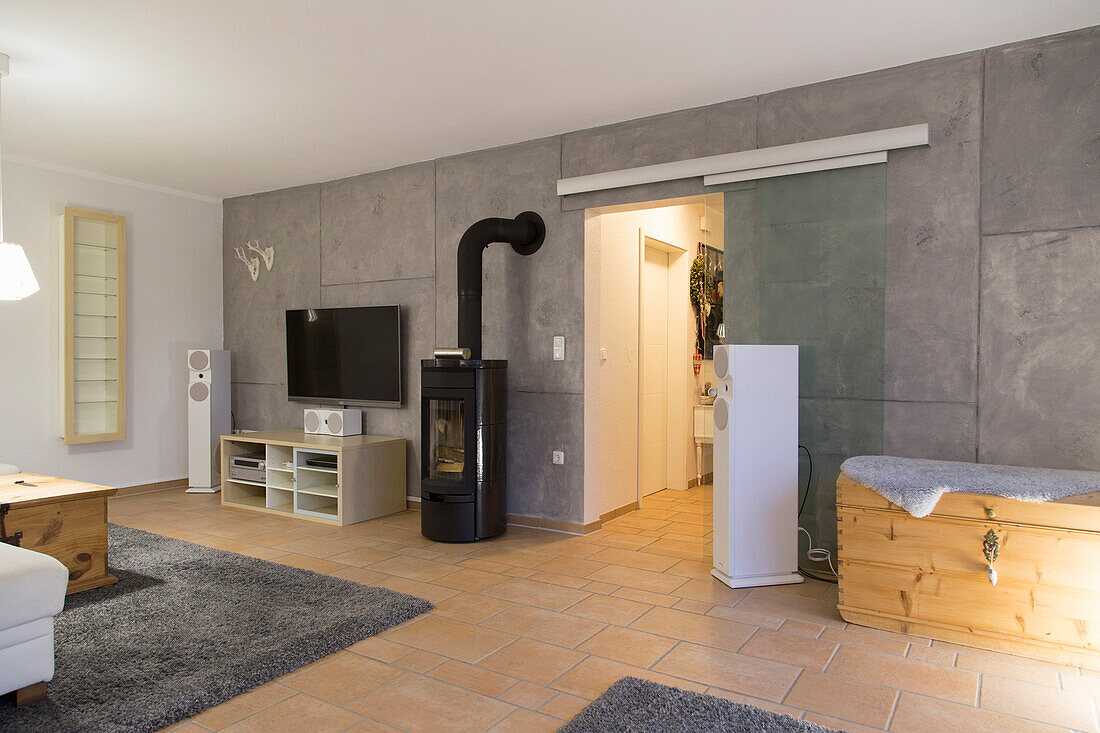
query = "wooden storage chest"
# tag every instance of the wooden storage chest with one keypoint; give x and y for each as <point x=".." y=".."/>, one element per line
<point x="928" y="576"/>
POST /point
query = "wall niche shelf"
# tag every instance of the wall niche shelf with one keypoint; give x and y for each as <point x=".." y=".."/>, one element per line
<point x="93" y="326"/>
<point x="368" y="479"/>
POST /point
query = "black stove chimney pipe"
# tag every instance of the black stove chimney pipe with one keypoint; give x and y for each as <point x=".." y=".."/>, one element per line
<point x="525" y="233"/>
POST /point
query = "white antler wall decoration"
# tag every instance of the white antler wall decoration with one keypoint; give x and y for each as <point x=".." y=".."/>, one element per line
<point x="253" y="264"/>
<point x="267" y="253"/>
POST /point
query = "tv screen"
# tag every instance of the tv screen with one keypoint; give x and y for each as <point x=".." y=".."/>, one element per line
<point x="344" y="355"/>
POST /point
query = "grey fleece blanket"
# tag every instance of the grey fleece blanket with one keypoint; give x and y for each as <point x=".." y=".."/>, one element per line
<point x="916" y="484"/>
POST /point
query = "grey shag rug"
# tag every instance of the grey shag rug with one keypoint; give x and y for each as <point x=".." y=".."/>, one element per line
<point x="633" y="705"/>
<point x="188" y="627"/>
<point x="916" y="484"/>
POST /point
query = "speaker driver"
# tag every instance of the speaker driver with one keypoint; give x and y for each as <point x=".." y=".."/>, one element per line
<point x="198" y="360"/>
<point x="313" y="422"/>
<point x="721" y="363"/>
<point x="335" y="423"/>
<point x="198" y="391"/>
<point x="721" y="414"/>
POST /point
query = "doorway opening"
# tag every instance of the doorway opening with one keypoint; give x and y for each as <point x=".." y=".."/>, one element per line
<point x="648" y="368"/>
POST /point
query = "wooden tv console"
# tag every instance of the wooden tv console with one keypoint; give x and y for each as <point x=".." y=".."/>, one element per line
<point x="300" y="480"/>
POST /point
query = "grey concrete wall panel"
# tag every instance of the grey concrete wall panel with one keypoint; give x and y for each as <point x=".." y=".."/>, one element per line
<point x="379" y="226"/>
<point x="1040" y="350"/>
<point x="943" y="431"/>
<point x="527" y="300"/>
<point x="691" y="133"/>
<point x="265" y="407"/>
<point x="932" y="209"/>
<point x="289" y="221"/>
<point x="417" y="301"/>
<point x="1041" y="144"/>
<point x="539" y="423"/>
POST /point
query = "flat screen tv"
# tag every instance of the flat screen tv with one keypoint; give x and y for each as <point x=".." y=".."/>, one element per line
<point x="344" y="356"/>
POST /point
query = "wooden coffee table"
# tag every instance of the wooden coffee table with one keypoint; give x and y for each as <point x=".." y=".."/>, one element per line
<point x="61" y="518"/>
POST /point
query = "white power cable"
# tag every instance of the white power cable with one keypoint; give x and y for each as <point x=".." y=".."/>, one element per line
<point x="818" y="554"/>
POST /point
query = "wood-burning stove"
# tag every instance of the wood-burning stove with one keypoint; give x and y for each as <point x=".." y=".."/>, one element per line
<point x="463" y="404"/>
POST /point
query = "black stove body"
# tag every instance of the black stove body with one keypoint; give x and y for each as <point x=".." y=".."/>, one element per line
<point x="463" y="404"/>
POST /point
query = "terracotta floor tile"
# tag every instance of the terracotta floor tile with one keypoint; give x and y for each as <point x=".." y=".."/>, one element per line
<point x="911" y="675"/>
<point x="917" y="714"/>
<point x="413" y="568"/>
<point x="532" y="660"/>
<point x="242" y="706"/>
<point x="1085" y="684"/>
<point x="710" y="590"/>
<point x="564" y="706"/>
<point x="419" y="704"/>
<point x="843" y="698"/>
<point x="990" y="665"/>
<point x="594" y="675"/>
<point x="451" y="638"/>
<point x="628" y="646"/>
<point x="525" y="721"/>
<point x="527" y="695"/>
<point x="362" y="556"/>
<point x="628" y="521"/>
<point x="852" y="637"/>
<point x="705" y="630"/>
<point x="378" y="648"/>
<point x="736" y="672"/>
<point x="647" y="597"/>
<point x="687" y="604"/>
<point x="609" y="609"/>
<point x="288" y="716"/>
<point x="517" y="558"/>
<point x="314" y="546"/>
<point x="692" y="569"/>
<point x="801" y="628"/>
<point x="470" y="580"/>
<point x="420" y="661"/>
<point x="792" y="606"/>
<point x="623" y="540"/>
<point x="598" y="587"/>
<point x="371" y="726"/>
<point x="427" y="591"/>
<point x="542" y="625"/>
<point x="932" y="654"/>
<point x="553" y="578"/>
<point x="543" y="595"/>
<point x="642" y="579"/>
<point x="789" y="648"/>
<point x="358" y="575"/>
<point x="775" y="707"/>
<point x="574" y="566"/>
<point x="305" y="562"/>
<point x="345" y="678"/>
<point x="472" y="678"/>
<point x="844" y="725"/>
<point x="1038" y="702"/>
<point x="634" y="559"/>
<point x="470" y="607"/>
<point x="750" y="618"/>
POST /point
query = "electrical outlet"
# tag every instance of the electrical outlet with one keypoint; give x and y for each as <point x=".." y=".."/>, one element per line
<point x="559" y="348"/>
<point x="558" y="458"/>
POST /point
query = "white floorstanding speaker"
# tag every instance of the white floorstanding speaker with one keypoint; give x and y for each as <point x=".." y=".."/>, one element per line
<point x="208" y="417"/>
<point x="756" y="465"/>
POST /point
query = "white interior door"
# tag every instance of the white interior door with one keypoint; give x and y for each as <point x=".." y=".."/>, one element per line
<point x="654" y="372"/>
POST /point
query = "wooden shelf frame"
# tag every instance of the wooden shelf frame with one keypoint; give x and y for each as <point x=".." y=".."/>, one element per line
<point x="93" y="344"/>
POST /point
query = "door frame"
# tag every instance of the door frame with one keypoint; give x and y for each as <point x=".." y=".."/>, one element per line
<point x="674" y="251"/>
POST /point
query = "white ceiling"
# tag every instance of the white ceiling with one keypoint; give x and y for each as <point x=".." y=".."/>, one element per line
<point x="227" y="97"/>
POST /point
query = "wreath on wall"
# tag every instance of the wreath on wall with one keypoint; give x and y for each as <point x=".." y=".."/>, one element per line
<point x="697" y="284"/>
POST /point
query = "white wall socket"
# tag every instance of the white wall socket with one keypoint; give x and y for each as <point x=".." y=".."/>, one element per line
<point x="558" y="457"/>
<point x="559" y="348"/>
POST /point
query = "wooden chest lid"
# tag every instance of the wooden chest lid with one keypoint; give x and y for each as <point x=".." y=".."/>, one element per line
<point x="38" y="489"/>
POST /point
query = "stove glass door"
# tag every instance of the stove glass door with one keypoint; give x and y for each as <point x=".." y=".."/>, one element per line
<point x="446" y="440"/>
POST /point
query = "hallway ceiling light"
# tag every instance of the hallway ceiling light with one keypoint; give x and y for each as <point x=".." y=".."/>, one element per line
<point x="16" y="277"/>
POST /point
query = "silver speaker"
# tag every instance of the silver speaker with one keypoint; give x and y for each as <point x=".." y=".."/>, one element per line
<point x="322" y="421"/>
<point x="208" y="417"/>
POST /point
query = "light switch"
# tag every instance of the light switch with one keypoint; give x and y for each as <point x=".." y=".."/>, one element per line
<point x="557" y="457"/>
<point x="559" y="348"/>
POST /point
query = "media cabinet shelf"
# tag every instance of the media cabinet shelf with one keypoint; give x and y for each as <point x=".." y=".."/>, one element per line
<point x="367" y="482"/>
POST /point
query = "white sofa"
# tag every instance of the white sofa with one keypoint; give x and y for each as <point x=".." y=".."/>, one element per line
<point x="32" y="592"/>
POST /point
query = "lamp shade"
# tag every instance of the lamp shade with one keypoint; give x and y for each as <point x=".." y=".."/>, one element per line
<point x="16" y="277"/>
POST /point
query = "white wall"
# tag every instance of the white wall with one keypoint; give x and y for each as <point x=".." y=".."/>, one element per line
<point x="174" y="302"/>
<point x="611" y="386"/>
